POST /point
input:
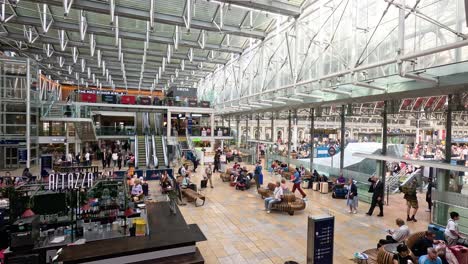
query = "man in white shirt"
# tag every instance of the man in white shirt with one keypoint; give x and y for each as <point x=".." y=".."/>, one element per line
<point x="87" y="158"/>
<point x="451" y="230"/>
<point x="277" y="196"/>
<point x="69" y="157"/>
<point x="396" y="236"/>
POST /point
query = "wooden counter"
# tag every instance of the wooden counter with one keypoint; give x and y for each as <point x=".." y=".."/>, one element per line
<point x="170" y="239"/>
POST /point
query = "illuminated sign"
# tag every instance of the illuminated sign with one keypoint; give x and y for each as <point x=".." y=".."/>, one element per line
<point x="78" y="180"/>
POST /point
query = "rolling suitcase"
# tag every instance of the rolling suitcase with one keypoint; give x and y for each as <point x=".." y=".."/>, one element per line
<point x="324" y="187"/>
<point x="203" y="183"/>
<point x="461" y="253"/>
<point x="315" y="186"/>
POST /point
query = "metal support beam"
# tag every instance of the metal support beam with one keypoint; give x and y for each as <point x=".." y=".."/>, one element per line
<point x="383" y="164"/>
<point x="138" y="14"/>
<point x="312" y="134"/>
<point x="238" y="132"/>
<point x="272" y="136"/>
<point x="28" y="113"/>
<point x="342" y="137"/>
<point x="270" y="6"/>
<point x="246" y="130"/>
<point x="257" y="137"/>
<point x="289" y="136"/>
<point x="448" y="129"/>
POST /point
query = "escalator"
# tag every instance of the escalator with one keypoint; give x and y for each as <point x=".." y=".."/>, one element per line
<point x="161" y="154"/>
<point x="141" y="151"/>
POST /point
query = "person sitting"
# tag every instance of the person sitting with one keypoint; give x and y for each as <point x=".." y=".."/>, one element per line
<point x="323" y="178"/>
<point x="397" y="235"/>
<point x="341" y="180"/>
<point x="284" y="186"/>
<point x="236" y="166"/>
<point x="186" y="183"/>
<point x="277" y="196"/>
<point x="421" y="245"/>
<point x="430" y="258"/>
<point x="451" y="230"/>
<point x="403" y="255"/>
<point x="137" y="191"/>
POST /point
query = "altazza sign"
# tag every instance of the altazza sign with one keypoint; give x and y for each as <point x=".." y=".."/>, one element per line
<point x="77" y="180"/>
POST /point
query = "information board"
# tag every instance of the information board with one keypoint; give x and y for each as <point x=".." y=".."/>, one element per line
<point x="320" y="236"/>
<point x="109" y="98"/>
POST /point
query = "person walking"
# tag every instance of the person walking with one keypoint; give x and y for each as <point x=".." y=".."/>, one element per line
<point x="209" y="174"/>
<point x="258" y="176"/>
<point x="115" y="157"/>
<point x="409" y="191"/>
<point x="352" y="197"/>
<point x="377" y="190"/>
<point x="429" y="195"/>
<point x="119" y="160"/>
<point x="103" y="159"/>
<point x="297" y="183"/>
<point x="109" y="158"/>
<point x="216" y="162"/>
<point x="88" y="158"/>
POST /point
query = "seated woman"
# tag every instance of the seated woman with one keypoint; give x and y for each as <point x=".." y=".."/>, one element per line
<point x="403" y="256"/>
<point x="341" y="180"/>
<point x="284" y="186"/>
<point x="137" y="191"/>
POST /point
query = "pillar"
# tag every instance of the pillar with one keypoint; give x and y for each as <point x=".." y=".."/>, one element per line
<point x="272" y="136"/>
<point x="258" y="127"/>
<point x="342" y="140"/>
<point x="168" y="124"/>
<point x="246" y="130"/>
<point x="312" y="132"/>
<point x="289" y="138"/>
<point x="238" y="132"/>
<point x="28" y="114"/>
<point x="294" y="135"/>
<point x="67" y="143"/>
<point x="212" y="126"/>
<point x="383" y="163"/>
<point x="229" y="125"/>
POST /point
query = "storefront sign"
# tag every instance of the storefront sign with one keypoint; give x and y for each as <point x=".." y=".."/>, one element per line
<point x="145" y="101"/>
<point x="205" y="104"/>
<point x="109" y="98"/>
<point x="127" y="99"/>
<point x="62" y="181"/>
<point x="88" y="97"/>
<point x="22" y="154"/>
<point x="320" y="235"/>
<point x="183" y="92"/>
<point x="192" y="103"/>
<point x="99" y="92"/>
<point x="11" y="141"/>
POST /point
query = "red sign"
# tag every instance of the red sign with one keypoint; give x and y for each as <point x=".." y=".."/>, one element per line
<point x="127" y="99"/>
<point x="331" y="151"/>
<point x="89" y="98"/>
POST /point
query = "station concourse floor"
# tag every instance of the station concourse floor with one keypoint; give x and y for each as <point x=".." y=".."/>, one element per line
<point x="238" y="230"/>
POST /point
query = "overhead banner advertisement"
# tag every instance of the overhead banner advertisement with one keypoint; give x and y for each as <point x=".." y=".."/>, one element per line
<point x="109" y="98"/>
<point x="88" y="97"/>
<point x="145" y="100"/>
<point x="205" y="104"/>
<point x="127" y="99"/>
<point x="192" y="103"/>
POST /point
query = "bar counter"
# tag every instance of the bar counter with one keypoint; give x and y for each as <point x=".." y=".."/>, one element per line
<point x="170" y="240"/>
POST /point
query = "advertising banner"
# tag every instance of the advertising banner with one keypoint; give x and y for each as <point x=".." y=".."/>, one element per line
<point x="145" y="101"/>
<point x="192" y="103"/>
<point x="127" y="99"/>
<point x="205" y="104"/>
<point x="89" y="98"/>
<point x="109" y="98"/>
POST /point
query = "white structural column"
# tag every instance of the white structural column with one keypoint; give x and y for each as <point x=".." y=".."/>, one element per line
<point x="28" y="114"/>
<point x="168" y="124"/>
<point x="294" y="131"/>
<point x="67" y="143"/>
<point x="212" y="122"/>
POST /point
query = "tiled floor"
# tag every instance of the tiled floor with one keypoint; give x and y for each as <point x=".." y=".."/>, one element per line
<point x="239" y="231"/>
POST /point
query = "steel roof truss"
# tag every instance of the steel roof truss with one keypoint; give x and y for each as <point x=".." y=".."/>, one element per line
<point x="44" y="12"/>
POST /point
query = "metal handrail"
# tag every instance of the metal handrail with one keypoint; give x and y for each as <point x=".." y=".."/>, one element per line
<point x="136" y="150"/>
<point x="146" y="150"/>
<point x="163" y="140"/>
<point x="155" y="156"/>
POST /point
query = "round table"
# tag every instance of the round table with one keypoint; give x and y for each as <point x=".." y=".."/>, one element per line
<point x="386" y="252"/>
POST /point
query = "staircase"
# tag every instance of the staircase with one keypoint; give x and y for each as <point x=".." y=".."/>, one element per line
<point x="393" y="182"/>
<point x="160" y="150"/>
<point x="141" y="152"/>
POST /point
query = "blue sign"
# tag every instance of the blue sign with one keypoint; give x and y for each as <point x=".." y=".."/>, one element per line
<point x="22" y="155"/>
<point x="11" y="141"/>
<point x="321" y="234"/>
<point x="189" y="124"/>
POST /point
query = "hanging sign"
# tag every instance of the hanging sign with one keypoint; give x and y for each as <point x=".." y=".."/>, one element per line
<point x="78" y="180"/>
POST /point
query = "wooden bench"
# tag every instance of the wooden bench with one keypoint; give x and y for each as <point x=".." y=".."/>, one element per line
<point x="290" y="203"/>
<point x="193" y="196"/>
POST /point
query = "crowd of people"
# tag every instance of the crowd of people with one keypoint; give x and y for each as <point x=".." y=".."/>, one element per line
<point x="427" y="249"/>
